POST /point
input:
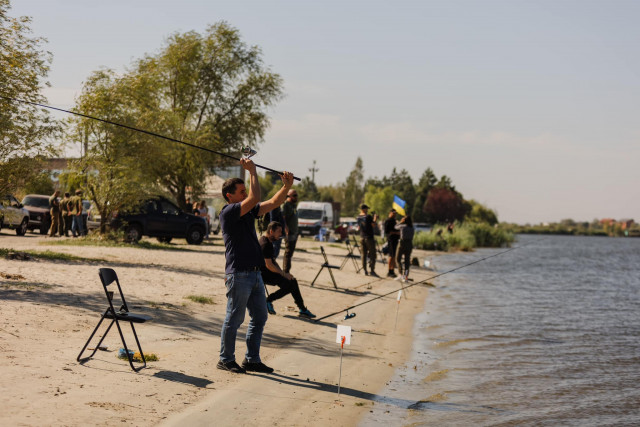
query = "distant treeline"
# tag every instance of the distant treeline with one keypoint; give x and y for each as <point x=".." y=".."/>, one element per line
<point x="572" y="228"/>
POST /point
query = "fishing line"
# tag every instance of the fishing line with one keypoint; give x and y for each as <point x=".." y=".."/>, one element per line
<point x="138" y="130"/>
<point x="420" y="282"/>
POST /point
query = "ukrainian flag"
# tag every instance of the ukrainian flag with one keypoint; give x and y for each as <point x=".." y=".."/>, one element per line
<point x="398" y="205"/>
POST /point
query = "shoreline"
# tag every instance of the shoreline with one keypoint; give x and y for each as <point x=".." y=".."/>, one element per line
<point x="47" y="317"/>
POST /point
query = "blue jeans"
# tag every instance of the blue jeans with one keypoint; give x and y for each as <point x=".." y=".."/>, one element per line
<point x="245" y="291"/>
<point x="76" y="224"/>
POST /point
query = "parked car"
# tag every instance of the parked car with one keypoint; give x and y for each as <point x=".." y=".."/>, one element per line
<point x="160" y="218"/>
<point x="39" y="212"/>
<point x="13" y="215"/>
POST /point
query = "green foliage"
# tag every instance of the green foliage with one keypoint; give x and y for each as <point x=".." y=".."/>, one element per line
<point x="113" y="170"/>
<point x="481" y="213"/>
<point x="354" y="190"/>
<point x="24" y="129"/>
<point x="40" y="183"/>
<point x="307" y="190"/>
<point x="200" y="299"/>
<point x="379" y="199"/>
<point x="427" y="182"/>
<point x="210" y="90"/>
<point x="465" y="237"/>
<point x="569" y="227"/>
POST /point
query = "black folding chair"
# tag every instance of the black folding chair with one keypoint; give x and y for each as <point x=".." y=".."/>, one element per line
<point x="328" y="267"/>
<point x="107" y="277"/>
<point x="351" y="256"/>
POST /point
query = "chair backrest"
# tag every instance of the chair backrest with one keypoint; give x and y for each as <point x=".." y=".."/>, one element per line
<point x="107" y="277"/>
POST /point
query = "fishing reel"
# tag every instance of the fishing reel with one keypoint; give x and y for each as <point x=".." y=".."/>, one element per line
<point x="248" y="152"/>
<point x="349" y="315"/>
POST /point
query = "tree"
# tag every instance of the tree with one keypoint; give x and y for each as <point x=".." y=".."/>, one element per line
<point x="402" y="185"/>
<point x="427" y="182"/>
<point x="445" y="205"/>
<point x="24" y="128"/>
<point x="307" y="190"/>
<point x="211" y="90"/>
<point x="379" y="199"/>
<point x="111" y="171"/>
<point x="481" y="213"/>
<point x="354" y="190"/>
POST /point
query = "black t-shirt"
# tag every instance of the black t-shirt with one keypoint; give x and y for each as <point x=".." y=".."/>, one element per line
<point x="366" y="225"/>
<point x="390" y="227"/>
<point x="267" y="250"/>
<point x="242" y="250"/>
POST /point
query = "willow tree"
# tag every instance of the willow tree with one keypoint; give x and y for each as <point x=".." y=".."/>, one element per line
<point x="25" y="130"/>
<point x="209" y="89"/>
<point x="112" y="171"/>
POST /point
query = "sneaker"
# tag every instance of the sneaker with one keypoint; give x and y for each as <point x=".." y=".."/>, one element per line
<point x="256" y="367"/>
<point x="373" y="274"/>
<point x="306" y="313"/>
<point x="392" y="274"/>
<point x="366" y="273"/>
<point x="230" y="366"/>
<point x="270" y="308"/>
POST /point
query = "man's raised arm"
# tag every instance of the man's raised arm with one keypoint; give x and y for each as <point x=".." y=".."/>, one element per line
<point x="280" y="196"/>
<point x="254" y="187"/>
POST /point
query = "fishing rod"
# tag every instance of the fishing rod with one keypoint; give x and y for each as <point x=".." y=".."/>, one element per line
<point x="248" y="152"/>
<point x="422" y="282"/>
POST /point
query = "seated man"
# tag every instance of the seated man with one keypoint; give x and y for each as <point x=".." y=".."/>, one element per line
<point x="272" y="274"/>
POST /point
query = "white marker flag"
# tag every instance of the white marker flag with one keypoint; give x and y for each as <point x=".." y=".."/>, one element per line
<point x="344" y="331"/>
<point x="399" y="295"/>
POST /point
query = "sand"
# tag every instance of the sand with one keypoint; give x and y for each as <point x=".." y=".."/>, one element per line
<point x="48" y="309"/>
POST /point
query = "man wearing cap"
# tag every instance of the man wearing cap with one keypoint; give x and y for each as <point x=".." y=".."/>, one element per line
<point x="366" y="223"/>
<point x="393" y="236"/>
<point x="290" y="216"/>
<point x="244" y="260"/>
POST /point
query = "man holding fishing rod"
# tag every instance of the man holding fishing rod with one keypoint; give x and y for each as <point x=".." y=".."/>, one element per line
<point x="244" y="260"/>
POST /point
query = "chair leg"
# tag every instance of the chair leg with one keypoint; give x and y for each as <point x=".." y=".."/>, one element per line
<point x="314" y="279"/>
<point x="91" y="337"/>
<point x="126" y="349"/>
<point x="332" y="279"/>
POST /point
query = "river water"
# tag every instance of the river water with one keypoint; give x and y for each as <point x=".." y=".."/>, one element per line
<point x="547" y="334"/>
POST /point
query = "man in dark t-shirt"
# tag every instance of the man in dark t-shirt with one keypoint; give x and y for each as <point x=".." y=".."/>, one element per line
<point x="245" y="288"/>
<point x="392" y="236"/>
<point x="272" y="274"/>
<point x="366" y="223"/>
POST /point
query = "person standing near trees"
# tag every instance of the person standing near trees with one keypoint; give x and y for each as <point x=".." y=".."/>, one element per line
<point x="54" y="210"/>
<point x="66" y="216"/>
<point x="406" y="246"/>
<point x="244" y="261"/>
<point x="76" y="214"/>
<point x="392" y="236"/>
<point x="290" y="217"/>
<point x="366" y="223"/>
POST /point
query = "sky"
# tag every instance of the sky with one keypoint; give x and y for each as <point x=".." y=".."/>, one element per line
<point x="530" y="107"/>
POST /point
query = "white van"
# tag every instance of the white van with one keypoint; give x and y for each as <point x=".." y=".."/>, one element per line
<point x="314" y="215"/>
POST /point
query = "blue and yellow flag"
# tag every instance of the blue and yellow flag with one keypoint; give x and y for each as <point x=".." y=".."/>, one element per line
<point x="398" y="205"/>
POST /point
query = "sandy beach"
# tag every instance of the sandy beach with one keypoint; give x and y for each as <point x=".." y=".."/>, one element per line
<point x="49" y="308"/>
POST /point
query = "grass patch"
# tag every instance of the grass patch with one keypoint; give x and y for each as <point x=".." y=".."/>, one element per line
<point x="200" y="299"/>
<point x="113" y="240"/>
<point x="26" y="285"/>
<point x="52" y="256"/>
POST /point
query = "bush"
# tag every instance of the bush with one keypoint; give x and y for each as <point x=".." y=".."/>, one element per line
<point x="465" y="237"/>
